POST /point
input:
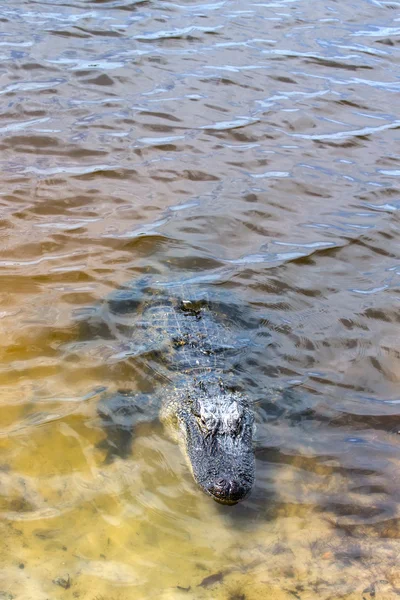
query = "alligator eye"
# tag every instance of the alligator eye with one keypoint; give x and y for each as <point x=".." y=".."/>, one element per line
<point x="204" y="423"/>
<point x="196" y="408"/>
<point x="209" y="423"/>
<point x="235" y="425"/>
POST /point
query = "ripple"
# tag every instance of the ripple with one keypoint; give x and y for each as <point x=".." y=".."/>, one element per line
<point x="177" y="33"/>
<point x="345" y="134"/>
<point x="195" y="7"/>
<point x="160" y="140"/>
<point x="376" y="31"/>
<point x="72" y="170"/>
<point x="269" y="174"/>
<point x="227" y="125"/>
<point x="21" y="125"/>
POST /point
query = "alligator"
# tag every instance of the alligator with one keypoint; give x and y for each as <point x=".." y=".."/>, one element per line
<point x="202" y="405"/>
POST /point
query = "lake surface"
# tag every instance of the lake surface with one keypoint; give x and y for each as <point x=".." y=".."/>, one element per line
<point x="251" y="149"/>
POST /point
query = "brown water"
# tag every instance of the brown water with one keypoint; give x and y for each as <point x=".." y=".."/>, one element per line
<point x="251" y="148"/>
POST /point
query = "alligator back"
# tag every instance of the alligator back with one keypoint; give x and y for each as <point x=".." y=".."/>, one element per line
<point x="165" y="328"/>
<point x="187" y="335"/>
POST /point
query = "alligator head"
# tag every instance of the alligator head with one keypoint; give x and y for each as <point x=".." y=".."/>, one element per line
<point x="216" y="430"/>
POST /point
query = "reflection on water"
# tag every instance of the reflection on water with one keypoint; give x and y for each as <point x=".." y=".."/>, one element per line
<point x="245" y="147"/>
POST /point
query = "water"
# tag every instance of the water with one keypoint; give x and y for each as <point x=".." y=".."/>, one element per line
<point x="251" y="148"/>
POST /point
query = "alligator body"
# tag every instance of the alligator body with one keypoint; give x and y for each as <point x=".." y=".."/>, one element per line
<point x="201" y="405"/>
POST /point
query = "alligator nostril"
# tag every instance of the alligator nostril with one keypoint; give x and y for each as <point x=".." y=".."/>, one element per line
<point x="220" y="483"/>
<point x="220" y="488"/>
<point x="234" y="488"/>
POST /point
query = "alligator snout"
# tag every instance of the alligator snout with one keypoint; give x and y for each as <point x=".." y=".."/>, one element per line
<point x="217" y="427"/>
<point x="227" y="491"/>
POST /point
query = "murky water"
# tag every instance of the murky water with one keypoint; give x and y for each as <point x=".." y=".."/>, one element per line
<point x="251" y="148"/>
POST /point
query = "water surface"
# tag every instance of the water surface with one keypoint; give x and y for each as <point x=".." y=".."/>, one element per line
<point x="250" y="149"/>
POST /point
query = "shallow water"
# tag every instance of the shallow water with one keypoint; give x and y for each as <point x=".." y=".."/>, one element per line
<point x="252" y="149"/>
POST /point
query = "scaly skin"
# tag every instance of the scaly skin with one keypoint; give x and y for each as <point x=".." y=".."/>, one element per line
<point x="211" y="420"/>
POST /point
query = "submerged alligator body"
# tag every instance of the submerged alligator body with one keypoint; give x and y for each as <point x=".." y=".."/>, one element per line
<point x="209" y="416"/>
